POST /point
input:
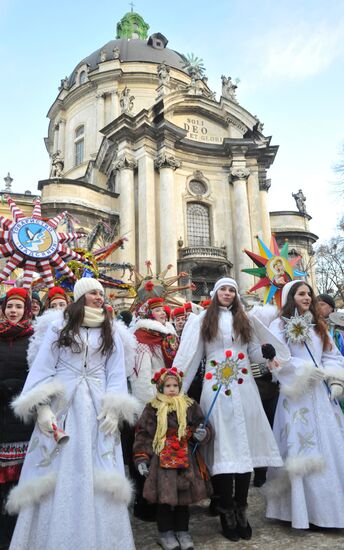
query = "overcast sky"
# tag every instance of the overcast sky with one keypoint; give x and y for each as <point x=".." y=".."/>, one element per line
<point x="288" y="55"/>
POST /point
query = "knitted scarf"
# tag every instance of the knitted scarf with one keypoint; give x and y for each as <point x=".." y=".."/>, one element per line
<point x="93" y="317"/>
<point x="10" y="331"/>
<point x="164" y="405"/>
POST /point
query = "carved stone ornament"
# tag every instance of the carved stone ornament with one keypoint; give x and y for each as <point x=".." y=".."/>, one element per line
<point x="163" y="74"/>
<point x="235" y="122"/>
<point x="265" y="185"/>
<point x="125" y="163"/>
<point x="116" y="51"/>
<point x="228" y="88"/>
<point x="103" y="55"/>
<point x="126" y="101"/>
<point x="164" y="161"/>
<point x="239" y="173"/>
<point x="300" y="200"/>
<point x="57" y="165"/>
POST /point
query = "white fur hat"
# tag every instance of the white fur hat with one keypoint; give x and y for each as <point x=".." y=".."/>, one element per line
<point x="86" y="284"/>
<point x="225" y="281"/>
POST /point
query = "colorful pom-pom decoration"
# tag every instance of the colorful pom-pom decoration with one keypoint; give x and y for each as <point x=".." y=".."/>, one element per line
<point x="213" y="363"/>
<point x="240" y="380"/>
<point x="229" y="353"/>
<point x="215" y="387"/>
<point x="208" y="376"/>
<point x="228" y="392"/>
<point x="241" y="355"/>
<point x="244" y="370"/>
<point x="181" y="374"/>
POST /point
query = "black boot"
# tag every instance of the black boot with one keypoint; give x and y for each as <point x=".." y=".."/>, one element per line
<point x="213" y="509"/>
<point x="244" y="529"/>
<point x="229" y="524"/>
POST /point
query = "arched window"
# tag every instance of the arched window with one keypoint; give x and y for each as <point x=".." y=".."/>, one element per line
<point x="82" y="77"/>
<point x="198" y="224"/>
<point x="79" y="142"/>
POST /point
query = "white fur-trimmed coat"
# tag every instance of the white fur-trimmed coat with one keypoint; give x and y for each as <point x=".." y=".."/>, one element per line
<point x="148" y="361"/>
<point x="75" y="495"/>
<point x="309" y="429"/>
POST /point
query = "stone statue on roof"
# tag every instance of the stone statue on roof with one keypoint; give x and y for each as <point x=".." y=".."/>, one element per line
<point x="228" y="88"/>
<point x="126" y="101"/>
<point x="300" y="201"/>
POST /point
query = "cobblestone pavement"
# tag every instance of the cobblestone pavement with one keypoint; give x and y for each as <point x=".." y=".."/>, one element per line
<point x="267" y="534"/>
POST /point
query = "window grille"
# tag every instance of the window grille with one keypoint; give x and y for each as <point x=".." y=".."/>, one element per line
<point x="198" y="224"/>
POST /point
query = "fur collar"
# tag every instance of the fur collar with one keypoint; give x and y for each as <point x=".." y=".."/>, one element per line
<point x="151" y="324"/>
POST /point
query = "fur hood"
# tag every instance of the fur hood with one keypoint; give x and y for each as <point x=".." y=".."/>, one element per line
<point x="151" y="324"/>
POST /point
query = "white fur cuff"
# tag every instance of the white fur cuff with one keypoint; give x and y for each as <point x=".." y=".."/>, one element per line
<point x="124" y="406"/>
<point x="301" y="383"/>
<point x="303" y="466"/>
<point x="334" y="375"/>
<point x="116" y="485"/>
<point x="25" y="404"/>
<point x="29" y="493"/>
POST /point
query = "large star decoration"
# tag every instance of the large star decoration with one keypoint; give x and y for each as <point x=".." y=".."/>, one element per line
<point x="275" y="269"/>
<point x="33" y="244"/>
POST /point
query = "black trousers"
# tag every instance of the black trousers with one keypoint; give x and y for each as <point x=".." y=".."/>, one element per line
<point x="269" y="406"/>
<point x="172" y="518"/>
<point x="231" y="489"/>
<point x="7" y="522"/>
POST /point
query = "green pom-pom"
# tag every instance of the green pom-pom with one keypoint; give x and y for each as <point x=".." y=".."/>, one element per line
<point x="228" y="392"/>
<point x="215" y="387"/>
<point x="213" y="363"/>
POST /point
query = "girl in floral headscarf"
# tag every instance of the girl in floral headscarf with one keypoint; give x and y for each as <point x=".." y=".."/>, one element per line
<point x="15" y="330"/>
<point x="168" y="429"/>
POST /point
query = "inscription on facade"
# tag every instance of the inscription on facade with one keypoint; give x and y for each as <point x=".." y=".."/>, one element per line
<point x="201" y="129"/>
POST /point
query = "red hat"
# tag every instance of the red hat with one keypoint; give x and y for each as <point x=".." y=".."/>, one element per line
<point x="188" y="306"/>
<point x="17" y="294"/>
<point x="205" y="303"/>
<point x="56" y="293"/>
<point x="160" y="377"/>
<point x="155" y="302"/>
<point x="178" y="312"/>
<point x="167" y="310"/>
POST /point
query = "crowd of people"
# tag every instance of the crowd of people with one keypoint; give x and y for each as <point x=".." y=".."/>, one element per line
<point x="164" y="408"/>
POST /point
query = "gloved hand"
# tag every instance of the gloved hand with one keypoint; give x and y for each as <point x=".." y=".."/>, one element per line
<point x="200" y="433"/>
<point x="109" y="424"/>
<point x="143" y="469"/>
<point x="45" y="420"/>
<point x="268" y="351"/>
<point x="317" y="375"/>
<point x="336" y="391"/>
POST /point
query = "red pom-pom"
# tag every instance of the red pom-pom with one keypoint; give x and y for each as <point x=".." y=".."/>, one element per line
<point x="241" y="355"/>
<point x="208" y="376"/>
<point x="229" y="353"/>
<point x="181" y="374"/>
<point x="156" y="376"/>
<point x="240" y="380"/>
<point x="244" y="370"/>
<point x="173" y="369"/>
<point x="149" y="286"/>
<point x="163" y="370"/>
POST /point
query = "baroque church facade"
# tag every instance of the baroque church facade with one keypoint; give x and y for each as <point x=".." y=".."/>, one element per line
<point x="137" y="138"/>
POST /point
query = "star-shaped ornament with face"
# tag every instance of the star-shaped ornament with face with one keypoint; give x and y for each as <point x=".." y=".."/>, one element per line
<point x="275" y="269"/>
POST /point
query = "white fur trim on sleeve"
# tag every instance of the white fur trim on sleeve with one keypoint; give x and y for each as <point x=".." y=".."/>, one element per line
<point x="301" y="383"/>
<point x="303" y="466"/>
<point x="29" y="493"/>
<point x="334" y="374"/>
<point x="115" y="484"/>
<point x="40" y="326"/>
<point x="129" y="346"/>
<point x="25" y="404"/>
<point x="124" y="406"/>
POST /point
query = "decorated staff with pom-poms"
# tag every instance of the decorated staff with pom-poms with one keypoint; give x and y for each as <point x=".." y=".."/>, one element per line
<point x="243" y="438"/>
<point x="170" y="426"/>
<point x="309" y="424"/>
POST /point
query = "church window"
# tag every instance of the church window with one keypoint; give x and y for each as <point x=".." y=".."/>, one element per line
<point x="82" y="77"/>
<point x="79" y="145"/>
<point x="198" y="224"/>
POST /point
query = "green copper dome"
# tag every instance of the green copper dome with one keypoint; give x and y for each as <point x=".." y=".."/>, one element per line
<point x="132" y="25"/>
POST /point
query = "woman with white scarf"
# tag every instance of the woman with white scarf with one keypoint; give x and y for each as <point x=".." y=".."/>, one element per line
<point x="75" y="495"/>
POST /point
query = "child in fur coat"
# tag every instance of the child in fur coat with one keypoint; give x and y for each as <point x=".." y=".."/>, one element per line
<point x="166" y="433"/>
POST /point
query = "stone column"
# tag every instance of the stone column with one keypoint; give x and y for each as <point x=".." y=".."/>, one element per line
<point x="254" y="207"/>
<point x="264" y="187"/>
<point x="147" y="236"/>
<point x="56" y="138"/>
<point x="125" y="166"/>
<point x="100" y="118"/>
<point x="168" y="235"/>
<point x="61" y="137"/>
<point x="241" y="224"/>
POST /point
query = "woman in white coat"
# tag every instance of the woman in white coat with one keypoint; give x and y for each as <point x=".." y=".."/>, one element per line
<point x="309" y="424"/>
<point x="75" y="495"/>
<point x="243" y="438"/>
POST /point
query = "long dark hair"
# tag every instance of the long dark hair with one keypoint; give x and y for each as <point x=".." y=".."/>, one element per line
<point x="74" y="315"/>
<point x="241" y="324"/>
<point x="288" y="310"/>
